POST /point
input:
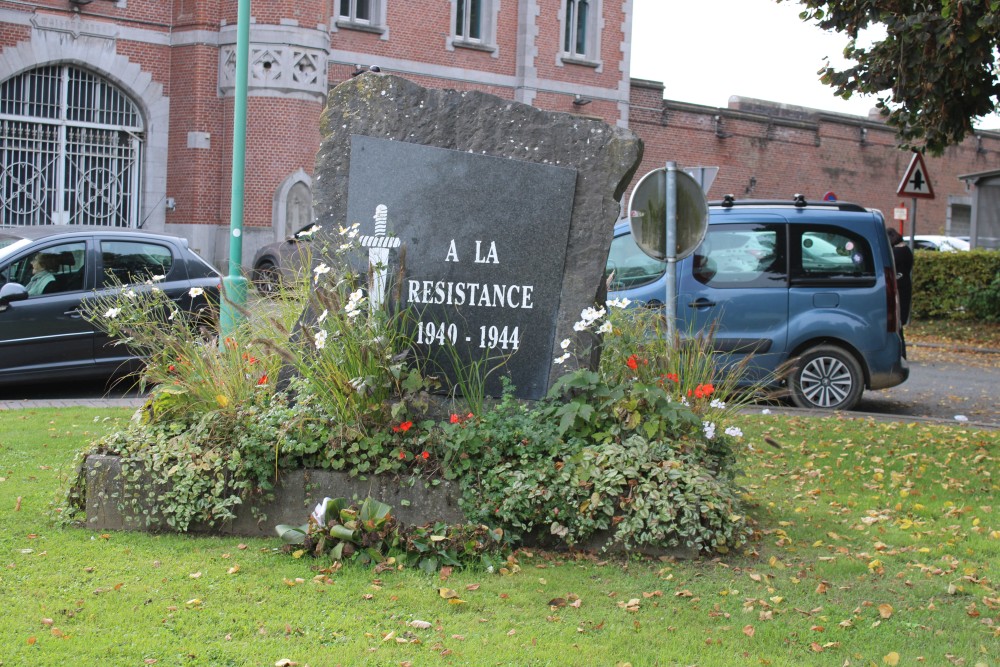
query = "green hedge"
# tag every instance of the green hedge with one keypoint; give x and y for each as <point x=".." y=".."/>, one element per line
<point x="956" y="285"/>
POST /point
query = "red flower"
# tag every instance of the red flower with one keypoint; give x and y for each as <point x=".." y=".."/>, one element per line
<point x="403" y="428"/>
<point x="633" y="362"/>
<point x="262" y="380"/>
<point x="402" y="455"/>
<point x="702" y="391"/>
<point x="455" y="419"/>
<point x="673" y="376"/>
<point x="171" y="368"/>
<point x="230" y="343"/>
<point x="425" y="455"/>
<point x="249" y="358"/>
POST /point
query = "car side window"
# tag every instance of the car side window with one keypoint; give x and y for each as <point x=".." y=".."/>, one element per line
<point x="741" y="255"/>
<point x="628" y="266"/>
<point x="826" y="253"/>
<point x="55" y="269"/>
<point x="129" y="262"/>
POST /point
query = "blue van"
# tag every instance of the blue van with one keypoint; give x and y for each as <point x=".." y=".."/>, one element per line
<point x="808" y="289"/>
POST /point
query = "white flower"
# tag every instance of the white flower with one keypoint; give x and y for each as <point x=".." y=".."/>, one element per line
<point x="306" y="233"/>
<point x="344" y="246"/>
<point x="734" y="431"/>
<point x="322" y="316"/>
<point x="709" y="428"/>
<point x="195" y="291"/>
<point x="319" y="514"/>
<point x="605" y="328"/>
<point x="354" y="301"/>
<point x="157" y="279"/>
<point x="130" y="294"/>
<point x="320" y="341"/>
<point x="619" y="303"/>
<point x="319" y="271"/>
<point x="561" y="359"/>
<point x="716" y="403"/>
<point x="112" y="313"/>
<point x="172" y="313"/>
<point x="580" y="326"/>
<point x="565" y="343"/>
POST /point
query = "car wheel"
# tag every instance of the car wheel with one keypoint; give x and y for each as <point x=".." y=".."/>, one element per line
<point x="826" y="377"/>
<point x="267" y="278"/>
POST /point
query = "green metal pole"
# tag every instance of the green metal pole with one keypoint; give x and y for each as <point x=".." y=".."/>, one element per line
<point x="235" y="284"/>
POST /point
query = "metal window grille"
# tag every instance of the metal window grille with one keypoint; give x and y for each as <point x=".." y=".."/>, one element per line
<point x="70" y="150"/>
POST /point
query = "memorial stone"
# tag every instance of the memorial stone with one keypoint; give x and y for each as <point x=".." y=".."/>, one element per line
<point x="500" y="213"/>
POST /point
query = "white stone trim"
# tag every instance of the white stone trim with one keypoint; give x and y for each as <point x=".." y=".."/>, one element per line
<point x="279" y="206"/>
<point x="285" y="61"/>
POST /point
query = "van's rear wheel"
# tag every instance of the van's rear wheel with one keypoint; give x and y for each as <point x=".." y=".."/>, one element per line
<point x="826" y="377"/>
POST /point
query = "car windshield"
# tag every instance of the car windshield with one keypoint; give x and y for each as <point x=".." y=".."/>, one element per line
<point x="11" y="244"/>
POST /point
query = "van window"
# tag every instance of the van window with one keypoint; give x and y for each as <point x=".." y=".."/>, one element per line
<point x="744" y="255"/>
<point x="827" y="253"/>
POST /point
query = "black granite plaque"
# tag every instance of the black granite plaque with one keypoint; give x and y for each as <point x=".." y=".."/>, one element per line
<point x="484" y="240"/>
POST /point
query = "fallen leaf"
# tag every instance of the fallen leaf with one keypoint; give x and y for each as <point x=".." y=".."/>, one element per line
<point x="445" y="572"/>
<point x="472" y="587"/>
<point x="420" y="625"/>
<point x="557" y="602"/>
<point x="233" y="570"/>
<point x="748" y="630"/>
<point x="447" y="593"/>
<point x="285" y="662"/>
<point x="195" y="575"/>
<point x="885" y="610"/>
<point x="891" y="658"/>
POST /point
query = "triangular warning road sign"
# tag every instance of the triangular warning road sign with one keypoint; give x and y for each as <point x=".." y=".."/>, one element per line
<point x="915" y="182"/>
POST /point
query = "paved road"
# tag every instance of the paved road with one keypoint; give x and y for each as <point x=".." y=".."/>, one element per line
<point x="942" y="385"/>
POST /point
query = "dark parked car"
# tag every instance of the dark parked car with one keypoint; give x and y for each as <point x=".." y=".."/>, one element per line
<point x="280" y="263"/>
<point x="46" y="272"/>
<point x="810" y="284"/>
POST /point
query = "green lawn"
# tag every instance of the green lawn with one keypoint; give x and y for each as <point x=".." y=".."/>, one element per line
<point x="879" y="544"/>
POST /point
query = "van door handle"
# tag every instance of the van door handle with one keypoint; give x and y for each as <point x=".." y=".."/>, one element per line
<point x="701" y="303"/>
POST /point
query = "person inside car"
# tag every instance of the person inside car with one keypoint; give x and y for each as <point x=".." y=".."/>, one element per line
<point x="43" y="268"/>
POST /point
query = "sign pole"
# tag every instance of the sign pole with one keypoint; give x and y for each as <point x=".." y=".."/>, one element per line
<point x="671" y="249"/>
<point x="913" y="225"/>
<point x="234" y="292"/>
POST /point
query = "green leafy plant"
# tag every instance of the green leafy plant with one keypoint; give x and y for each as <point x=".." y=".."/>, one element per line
<point x="369" y="533"/>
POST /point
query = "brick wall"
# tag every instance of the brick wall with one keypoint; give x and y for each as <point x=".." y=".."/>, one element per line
<point x="767" y="151"/>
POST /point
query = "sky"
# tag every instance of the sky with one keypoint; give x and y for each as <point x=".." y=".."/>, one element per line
<point x="705" y="51"/>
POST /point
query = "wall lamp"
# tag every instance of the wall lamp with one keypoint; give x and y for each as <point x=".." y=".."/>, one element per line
<point x="579" y="101"/>
<point x="80" y="2"/>
<point x="863" y="136"/>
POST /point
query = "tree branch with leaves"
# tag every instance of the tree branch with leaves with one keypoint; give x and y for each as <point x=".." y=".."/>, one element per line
<point x="935" y="71"/>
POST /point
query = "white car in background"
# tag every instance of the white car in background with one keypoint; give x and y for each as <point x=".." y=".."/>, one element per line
<point x="942" y="243"/>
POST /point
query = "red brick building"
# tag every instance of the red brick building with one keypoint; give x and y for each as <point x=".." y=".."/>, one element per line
<point x="120" y="111"/>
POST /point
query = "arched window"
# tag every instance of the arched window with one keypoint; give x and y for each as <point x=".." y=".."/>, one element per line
<point x="70" y="150"/>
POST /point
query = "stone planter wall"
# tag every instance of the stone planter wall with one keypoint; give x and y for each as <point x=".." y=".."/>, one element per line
<point x="295" y="496"/>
